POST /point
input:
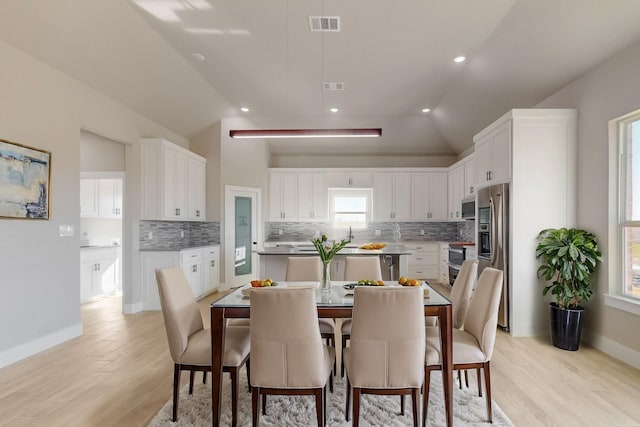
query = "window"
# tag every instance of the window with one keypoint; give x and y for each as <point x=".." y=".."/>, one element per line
<point x="629" y="205"/>
<point x="349" y="207"/>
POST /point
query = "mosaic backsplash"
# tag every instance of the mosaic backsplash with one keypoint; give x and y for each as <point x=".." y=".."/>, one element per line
<point x="433" y="231"/>
<point x="167" y="234"/>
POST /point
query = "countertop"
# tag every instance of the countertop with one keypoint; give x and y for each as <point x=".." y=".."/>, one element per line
<point x="308" y="251"/>
<point x="99" y="246"/>
<point x="178" y="248"/>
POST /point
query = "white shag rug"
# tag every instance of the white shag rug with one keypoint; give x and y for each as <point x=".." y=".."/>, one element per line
<point x="295" y="411"/>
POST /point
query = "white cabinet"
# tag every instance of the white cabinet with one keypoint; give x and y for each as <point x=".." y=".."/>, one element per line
<point x="100" y="198"/>
<point x="211" y="269"/>
<point x="470" y="177"/>
<point x="429" y="192"/>
<point x="493" y="154"/>
<point x="391" y="197"/>
<point x="201" y="267"/>
<point x="444" y="262"/>
<point x="173" y="183"/>
<point x="283" y="196"/>
<point x="456" y="192"/>
<point x="312" y="196"/>
<point x="423" y="263"/>
<point x="99" y="272"/>
<point x="349" y="179"/>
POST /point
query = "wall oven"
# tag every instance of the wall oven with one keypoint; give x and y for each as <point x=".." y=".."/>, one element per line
<point x="457" y="255"/>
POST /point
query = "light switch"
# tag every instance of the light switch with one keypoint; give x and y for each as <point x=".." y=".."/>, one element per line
<point x="66" y="230"/>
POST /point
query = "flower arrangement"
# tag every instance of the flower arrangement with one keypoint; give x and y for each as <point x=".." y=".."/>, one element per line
<point x="327" y="250"/>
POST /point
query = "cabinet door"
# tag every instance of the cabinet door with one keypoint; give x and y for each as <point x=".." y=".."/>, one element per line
<point x="484" y="160"/>
<point x="383" y="197"/>
<point x="110" y="198"/>
<point x="420" y="190"/>
<point x="87" y="268"/>
<point x="211" y="269"/>
<point x="350" y="180"/>
<point x="402" y="197"/>
<point x="88" y="198"/>
<point x="320" y="197"/>
<point x="305" y="196"/>
<point x="456" y="192"/>
<point x="501" y="152"/>
<point x="106" y="279"/>
<point x="196" y="190"/>
<point x="438" y="197"/>
<point x="175" y="184"/>
<point x="283" y="196"/>
<point x="470" y="178"/>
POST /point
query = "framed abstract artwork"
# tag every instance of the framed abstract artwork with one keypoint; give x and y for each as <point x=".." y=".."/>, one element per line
<point x="25" y="181"/>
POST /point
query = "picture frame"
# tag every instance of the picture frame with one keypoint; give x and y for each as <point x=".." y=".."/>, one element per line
<point x="25" y="181"/>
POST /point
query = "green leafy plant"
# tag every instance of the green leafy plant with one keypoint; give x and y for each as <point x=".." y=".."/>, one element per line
<point x="327" y="250"/>
<point x="567" y="259"/>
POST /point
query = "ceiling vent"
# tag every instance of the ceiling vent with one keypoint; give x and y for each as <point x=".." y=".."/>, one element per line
<point x="324" y="23"/>
<point x="332" y="86"/>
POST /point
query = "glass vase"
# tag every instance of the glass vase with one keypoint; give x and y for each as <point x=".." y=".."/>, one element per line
<point x="325" y="282"/>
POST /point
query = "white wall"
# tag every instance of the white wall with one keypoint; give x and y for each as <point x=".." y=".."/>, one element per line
<point x="605" y="93"/>
<point x="98" y="153"/>
<point x="40" y="280"/>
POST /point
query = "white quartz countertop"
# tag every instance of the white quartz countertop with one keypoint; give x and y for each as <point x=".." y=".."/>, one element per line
<point x="310" y="250"/>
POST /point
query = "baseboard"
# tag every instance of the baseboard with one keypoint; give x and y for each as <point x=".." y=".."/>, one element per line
<point x="132" y="308"/>
<point x="25" y="350"/>
<point x="615" y="349"/>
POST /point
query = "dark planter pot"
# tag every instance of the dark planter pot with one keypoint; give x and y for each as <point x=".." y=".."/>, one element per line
<point x="566" y="326"/>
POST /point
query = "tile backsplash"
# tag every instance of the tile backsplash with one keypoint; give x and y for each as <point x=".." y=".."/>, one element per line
<point x="433" y="231"/>
<point x="168" y="234"/>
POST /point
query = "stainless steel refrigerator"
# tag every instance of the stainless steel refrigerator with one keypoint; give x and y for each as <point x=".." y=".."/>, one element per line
<point x="493" y="239"/>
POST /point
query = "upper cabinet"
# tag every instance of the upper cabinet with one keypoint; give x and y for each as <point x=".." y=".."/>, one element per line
<point x="493" y="154"/>
<point x="100" y="198"/>
<point x="456" y="192"/>
<point x="283" y="196"/>
<point x="391" y="197"/>
<point x="429" y="192"/>
<point x="174" y="182"/>
<point x="470" y="177"/>
<point x="312" y="196"/>
<point x="350" y="179"/>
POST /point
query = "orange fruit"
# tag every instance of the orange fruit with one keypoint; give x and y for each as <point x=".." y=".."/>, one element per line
<point x="413" y="282"/>
<point x="380" y="283"/>
<point x="402" y="280"/>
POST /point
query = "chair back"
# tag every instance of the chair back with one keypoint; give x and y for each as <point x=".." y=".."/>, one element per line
<point x="482" y="316"/>
<point x="362" y="267"/>
<point x="303" y="269"/>
<point x="180" y="311"/>
<point x="387" y="337"/>
<point x="286" y="347"/>
<point x="461" y="291"/>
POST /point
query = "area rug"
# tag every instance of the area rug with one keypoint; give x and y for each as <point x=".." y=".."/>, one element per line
<point x="295" y="411"/>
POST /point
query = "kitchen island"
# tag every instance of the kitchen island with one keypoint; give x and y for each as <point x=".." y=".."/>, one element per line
<point x="393" y="260"/>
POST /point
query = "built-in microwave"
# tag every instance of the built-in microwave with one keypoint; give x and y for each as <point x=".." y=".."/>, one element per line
<point x="469" y="208"/>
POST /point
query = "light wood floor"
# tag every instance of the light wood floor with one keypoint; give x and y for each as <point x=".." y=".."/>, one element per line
<point x="119" y="373"/>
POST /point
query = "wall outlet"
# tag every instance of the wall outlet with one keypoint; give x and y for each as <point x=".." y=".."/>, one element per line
<point x="280" y="231"/>
<point x="422" y="232"/>
<point x="181" y="233"/>
<point x="377" y="232"/>
<point x="151" y="235"/>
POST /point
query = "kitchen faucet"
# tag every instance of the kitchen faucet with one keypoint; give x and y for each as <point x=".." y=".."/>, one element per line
<point x="350" y="234"/>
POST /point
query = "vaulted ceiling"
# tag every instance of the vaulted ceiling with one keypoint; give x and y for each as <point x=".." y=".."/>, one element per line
<point x="394" y="59"/>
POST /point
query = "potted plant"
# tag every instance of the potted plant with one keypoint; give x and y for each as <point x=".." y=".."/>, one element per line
<point x="567" y="259"/>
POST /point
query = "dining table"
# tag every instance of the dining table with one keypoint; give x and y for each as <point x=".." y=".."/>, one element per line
<point x="336" y="303"/>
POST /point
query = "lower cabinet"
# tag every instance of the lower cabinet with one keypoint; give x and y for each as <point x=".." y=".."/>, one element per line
<point x="423" y="263"/>
<point x="99" y="272"/>
<point x="444" y="263"/>
<point x="200" y="267"/>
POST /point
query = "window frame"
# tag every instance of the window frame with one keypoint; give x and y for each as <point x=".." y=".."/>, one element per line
<point x="618" y="134"/>
<point x="350" y="192"/>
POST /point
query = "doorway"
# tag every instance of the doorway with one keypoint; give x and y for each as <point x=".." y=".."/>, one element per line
<point x="242" y="233"/>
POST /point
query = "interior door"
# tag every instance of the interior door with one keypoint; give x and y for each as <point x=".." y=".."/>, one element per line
<point x="242" y="232"/>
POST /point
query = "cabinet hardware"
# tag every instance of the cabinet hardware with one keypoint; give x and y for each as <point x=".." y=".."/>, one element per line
<point x="350" y="181"/>
<point x="177" y="211"/>
<point x="213" y="263"/>
<point x="194" y="268"/>
<point x="471" y="189"/>
<point x="457" y="214"/>
<point x="197" y="213"/>
<point x="489" y="173"/>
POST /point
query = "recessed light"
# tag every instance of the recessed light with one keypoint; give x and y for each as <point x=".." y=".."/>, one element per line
<point x="334" y="110"/>
<point x="459" y="59"/>
<point x="426" y="110"/>
<point x="197" y="57"/>
<point x="244" y="109"/>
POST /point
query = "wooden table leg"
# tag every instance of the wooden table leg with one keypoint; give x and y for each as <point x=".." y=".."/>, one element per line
<point x="217" y="349"/>
<point x="447" y="360"/>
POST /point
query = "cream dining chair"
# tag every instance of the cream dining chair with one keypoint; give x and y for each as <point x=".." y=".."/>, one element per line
<point x="190" y="342"/>
<point x="357" y="268"/>
<point x="310" y="269"/>
<point x="287" y="353"/>
<point x="386" y="353"/>
<point x="473" y="346"/>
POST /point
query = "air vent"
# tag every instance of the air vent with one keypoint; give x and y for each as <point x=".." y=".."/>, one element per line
<point x="330" y="86"/>
<point x="324" y="23"/>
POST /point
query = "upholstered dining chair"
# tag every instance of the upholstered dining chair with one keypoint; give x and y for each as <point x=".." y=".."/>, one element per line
<point x="357" y="268"/>
<point x="310" y="269"/>
<point x="190" y="341"/>
<point x="387" y="340"/>
<point x="288" y="356"/>
<point x="473" y="346"/>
